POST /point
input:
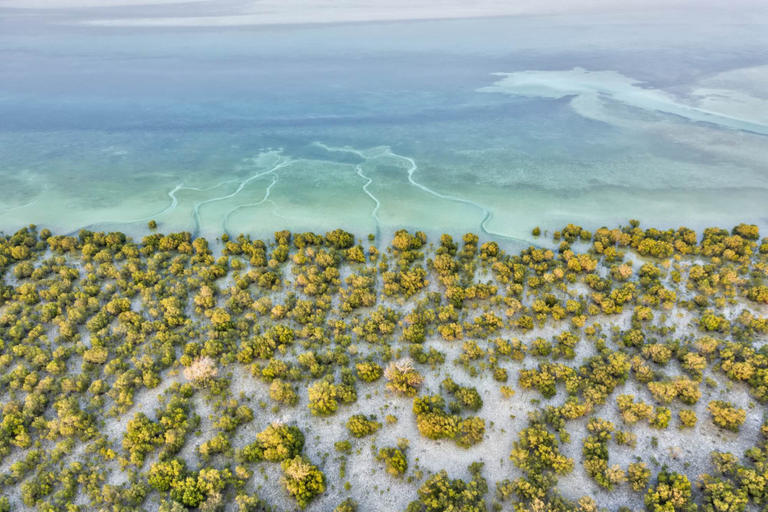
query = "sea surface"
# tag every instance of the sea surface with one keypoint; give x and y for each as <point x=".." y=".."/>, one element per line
<point x="490" y="125"/>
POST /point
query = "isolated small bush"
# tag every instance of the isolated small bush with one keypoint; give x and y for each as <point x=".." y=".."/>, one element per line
<point x="687" y="418"/>
<point x="282" y="392"/>
<point x="201" y="371"/>
<point x="394" y="460"/>
<point x="402" y="377"/>
<point x="726" y="415"/>
<point x="368" y="371"/>
<point x="302" y="480"/>
<point x="323" y="398"/>
<point x="638" y="475"/>
<point x="360" y="426"/>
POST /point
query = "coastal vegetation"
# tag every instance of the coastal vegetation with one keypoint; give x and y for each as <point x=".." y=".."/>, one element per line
<point x="593" y="370"/>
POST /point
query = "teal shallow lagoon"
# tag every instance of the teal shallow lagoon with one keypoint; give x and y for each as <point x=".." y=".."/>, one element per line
<point x="376" y="126"/>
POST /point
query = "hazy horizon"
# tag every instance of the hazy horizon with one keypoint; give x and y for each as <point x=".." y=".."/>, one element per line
<point x="265" y="12"/>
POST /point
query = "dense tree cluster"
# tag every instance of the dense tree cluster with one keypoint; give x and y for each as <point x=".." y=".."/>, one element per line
<point x="595" y="453"/>
<point x="275" y="443"/>
<point x="111" y="348"/>
<point x="435" y="422"/>
<point x="441" y="493"/>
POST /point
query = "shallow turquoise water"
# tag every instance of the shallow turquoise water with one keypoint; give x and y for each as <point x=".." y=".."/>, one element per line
<point x="384" y="125"/>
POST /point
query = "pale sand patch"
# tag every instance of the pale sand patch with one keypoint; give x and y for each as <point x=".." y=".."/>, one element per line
<point x="592" y="93"/>
<point x="739" y="93"/>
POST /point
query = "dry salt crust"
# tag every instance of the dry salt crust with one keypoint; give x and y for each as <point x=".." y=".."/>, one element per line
<point x="686" y="451"/>
<point x="371" y="486"/>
